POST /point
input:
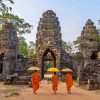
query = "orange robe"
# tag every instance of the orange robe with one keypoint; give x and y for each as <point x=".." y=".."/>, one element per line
<point x="54" y="82"/>
<point x="69" y="81"/>
<point x="35" y="81"/>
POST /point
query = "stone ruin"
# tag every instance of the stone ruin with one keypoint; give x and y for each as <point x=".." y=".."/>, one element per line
<point x="48" y="40"/>
<point x="89" y="69"/>
<point x="48" y="47"/>
<point x="11" y="63"/>
<point x="8" y="49"/>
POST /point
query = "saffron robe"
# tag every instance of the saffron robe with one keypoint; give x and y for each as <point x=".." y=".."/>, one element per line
<point x="35" y="81"/>
<point x="69" y="81"/>
<point x="54" y="82"/>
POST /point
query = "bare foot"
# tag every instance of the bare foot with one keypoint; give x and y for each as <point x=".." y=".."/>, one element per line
<point x="34" y="92"/>
<point x="69" y="92"/>
<point x="54" y="92"/>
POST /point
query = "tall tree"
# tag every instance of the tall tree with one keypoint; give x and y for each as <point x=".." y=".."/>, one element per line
<point x="22" y="45"/>
<point x="4" y="7"/>
<point x="21" y="25"/>
<point x="70" y="47"/>
<point x="31" y="49"/>
<point x="67" y="46"/>
<point x="64" y="45"/>
<point x="77" y="43"/>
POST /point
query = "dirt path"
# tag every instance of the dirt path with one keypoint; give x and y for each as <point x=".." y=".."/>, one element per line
<point x="45" y="93"/>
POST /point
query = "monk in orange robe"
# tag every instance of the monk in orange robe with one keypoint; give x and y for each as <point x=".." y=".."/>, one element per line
<point x="69" y="82"/>
<point x="35" y="81"/>
<point x="54" y="80"/>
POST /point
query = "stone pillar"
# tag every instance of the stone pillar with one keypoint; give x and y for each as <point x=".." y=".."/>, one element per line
<point x="6" y="65"/>
<point x="10" y="46"/>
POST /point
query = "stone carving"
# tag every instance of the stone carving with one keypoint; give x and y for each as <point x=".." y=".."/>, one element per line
<point x="48" y="40"/>
<point x="89" y="43"/>
<point x="8" y="47"/>
<point x="10" y="61"/>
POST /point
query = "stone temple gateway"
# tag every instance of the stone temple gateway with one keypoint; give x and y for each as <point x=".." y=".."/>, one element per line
<point x="12" y="65"/>
<point x="88" y="68"/>
<point x="49" y="48"/>
<point x="8" y="49"/>
<point x="48" y="42"/>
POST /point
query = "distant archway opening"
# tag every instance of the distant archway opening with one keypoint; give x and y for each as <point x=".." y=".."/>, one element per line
<point x="48" y="60"/>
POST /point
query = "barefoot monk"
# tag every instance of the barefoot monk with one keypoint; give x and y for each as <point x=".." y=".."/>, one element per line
<point x="54" y="82"/>
<point x="35" y="81"/>
<point x="69" y="82"/>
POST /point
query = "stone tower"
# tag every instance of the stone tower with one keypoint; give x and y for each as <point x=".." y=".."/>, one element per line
<point x="48" y="39"/>
<point x="89" y="43"/>
<point x="89" y="39"/>
<point x="8" y="48"/>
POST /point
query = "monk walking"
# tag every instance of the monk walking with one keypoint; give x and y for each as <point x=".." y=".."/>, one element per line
<point x="54" y="80"/>
<point x="69" y="82"/>
<point x="35" y="81"/>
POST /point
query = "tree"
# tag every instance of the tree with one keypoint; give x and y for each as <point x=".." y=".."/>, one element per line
<point x="48" y="64"/>
<point x="77" y="42"/>
<point x="22" y="46"/>
<point x="31" y="49"/>
<point x="64" y="45"/>
<point x="21" y="26"/>
<point x="4" y="7"/>
<point x="67" y="46"/>
<point x="70" y="47"/>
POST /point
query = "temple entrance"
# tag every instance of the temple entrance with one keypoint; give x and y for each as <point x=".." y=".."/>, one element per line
<point x="49" y="51"/>
<point x="1" y="62"/>
<point x="48" y="60"/>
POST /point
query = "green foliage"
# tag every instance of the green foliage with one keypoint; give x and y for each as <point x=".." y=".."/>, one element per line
<point x="21" y="25"/>
<point x="4" y="7"/>
<point x="31" y="49"/>
<point x="30" y="52"/>
<point x="22" y="46"/>
<point x="67" y="46"/>
<point x="64" y="46"/>
<point x="77" y="42"/>
<point x="48" y="64"/>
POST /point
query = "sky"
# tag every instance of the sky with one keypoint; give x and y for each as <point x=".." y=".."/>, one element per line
<point x="72" y="15"/>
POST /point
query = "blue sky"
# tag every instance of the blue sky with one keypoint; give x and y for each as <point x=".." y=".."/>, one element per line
<point x="72" y="14"/>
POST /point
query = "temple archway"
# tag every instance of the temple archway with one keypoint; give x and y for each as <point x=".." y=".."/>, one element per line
<point x="48" y="56"/>
<point x="48" y="41"/>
